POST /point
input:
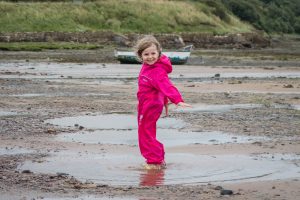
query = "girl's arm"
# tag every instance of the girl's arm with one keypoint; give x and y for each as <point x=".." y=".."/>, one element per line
<point x="162" y="82"/>
<point x="166" y="86"/>
<point x="166" y="101"/>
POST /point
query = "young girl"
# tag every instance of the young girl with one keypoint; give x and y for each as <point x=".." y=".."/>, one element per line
<point x="154" y="90"/>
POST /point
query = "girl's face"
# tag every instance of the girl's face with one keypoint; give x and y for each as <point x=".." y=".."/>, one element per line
<point x="150" y="55"/>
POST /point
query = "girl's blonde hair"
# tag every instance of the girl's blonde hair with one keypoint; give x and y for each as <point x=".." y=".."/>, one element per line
<point x="145" y="43"/>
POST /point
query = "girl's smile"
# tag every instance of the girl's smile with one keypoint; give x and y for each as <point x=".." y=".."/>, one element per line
<point x="150" y="55"/>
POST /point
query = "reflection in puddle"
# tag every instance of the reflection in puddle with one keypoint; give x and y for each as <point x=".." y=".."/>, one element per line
<point x="109" y="122"/>
<point x="168" y="137"/>
<point x="126" y="169"/>
<point x="152" y="177"/>
<point x="14" y="150"/>
<point x="217" y="108"/>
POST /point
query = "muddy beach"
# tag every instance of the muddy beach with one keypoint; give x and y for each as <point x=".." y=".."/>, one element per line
<point x="68" y="128"/>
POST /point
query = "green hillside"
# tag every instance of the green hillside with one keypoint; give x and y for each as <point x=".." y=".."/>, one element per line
<point x="272" y="16"/>
<point x="156" y="16"/>
<point x="141" y="16"/>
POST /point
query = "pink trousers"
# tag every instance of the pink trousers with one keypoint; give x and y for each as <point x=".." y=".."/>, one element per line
<point x="151" y="149"/>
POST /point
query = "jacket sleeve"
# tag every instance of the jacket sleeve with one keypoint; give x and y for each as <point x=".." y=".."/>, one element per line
<point x="162" y="83"/>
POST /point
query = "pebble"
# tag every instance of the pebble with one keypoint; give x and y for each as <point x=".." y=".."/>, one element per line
<point x="61" y="174"/>
<point x="26" y="171"/>
<point x="51" y="131"/>
<point x="226" y="192"/>
<point x="218" y="188"/>
<point x="217" y="76"/>
<point x="288" y="86"/>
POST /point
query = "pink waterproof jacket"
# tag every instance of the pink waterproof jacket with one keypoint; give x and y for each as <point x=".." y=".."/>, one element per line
<point x="154" y="84"/>
<point x="155" y="89"/>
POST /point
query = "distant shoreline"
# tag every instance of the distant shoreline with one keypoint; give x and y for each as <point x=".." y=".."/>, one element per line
<point x="199" y="40"/>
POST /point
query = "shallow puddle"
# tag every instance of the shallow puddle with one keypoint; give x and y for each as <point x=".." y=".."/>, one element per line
<point x="56" y="95"/>
<point x="126" y="169"/>
<point x="217" y="108"/>
<point x="118" y="71"/>
<point x="27" y="95"/>
<point x="287" y="106"/>
<point x="277" y="157"/>
<point x="81" y="197"/>
<point x="296" y="107"/>
<point x="112" y="121"/>
<point x="14" y="151"/>
<point x="168" y="137"/>
<point x="7" y="113"/>
<point x="93" y="198"/>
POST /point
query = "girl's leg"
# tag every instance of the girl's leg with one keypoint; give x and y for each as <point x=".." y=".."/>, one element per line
<point x="150" y="147"/>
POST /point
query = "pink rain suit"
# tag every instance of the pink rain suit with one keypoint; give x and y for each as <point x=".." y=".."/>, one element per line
<point x="154" y="90"/>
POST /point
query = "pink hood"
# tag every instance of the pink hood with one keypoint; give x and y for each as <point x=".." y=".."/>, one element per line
<point x="165" y="63"/>
<point x="154" y="83"/>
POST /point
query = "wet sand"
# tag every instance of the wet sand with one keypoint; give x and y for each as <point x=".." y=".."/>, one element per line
<point x="242" y="134"/>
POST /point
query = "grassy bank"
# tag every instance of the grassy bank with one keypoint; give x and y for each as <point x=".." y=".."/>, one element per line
<point x="118" y="16"/>
<point x="39" y="46"/>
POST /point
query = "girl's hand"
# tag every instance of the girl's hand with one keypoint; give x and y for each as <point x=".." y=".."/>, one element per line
<point x="184" y="105"/>
<point x="167" y="109"/>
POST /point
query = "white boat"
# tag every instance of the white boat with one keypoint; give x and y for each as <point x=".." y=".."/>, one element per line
<point x="177" y="57"/>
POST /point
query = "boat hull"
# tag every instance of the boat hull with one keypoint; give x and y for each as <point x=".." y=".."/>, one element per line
<point x="176" y="57"/>
<point x="134" y="60"/>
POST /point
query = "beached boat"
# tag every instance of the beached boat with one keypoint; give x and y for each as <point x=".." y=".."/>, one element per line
<point x="177" y="57"/>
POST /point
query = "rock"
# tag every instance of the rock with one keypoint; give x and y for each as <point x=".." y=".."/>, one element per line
<point x="27" y="171"/>
<point x="288" y="86"/>
<point x="257" y="143"/>
<point x="61" y="174"/>
<point x="89" y="186"/>
<point x="234" y="82"/>
<point x="51" y="131"/>
<point x="218" y="188"/>
<point x="77" y="186"/>
<point x="227" y="94"/>
<point x="121" y="40"/>
<point x="226" y="192"/>
<point x="89" y="182"/>
<point x="101" y="185"/>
